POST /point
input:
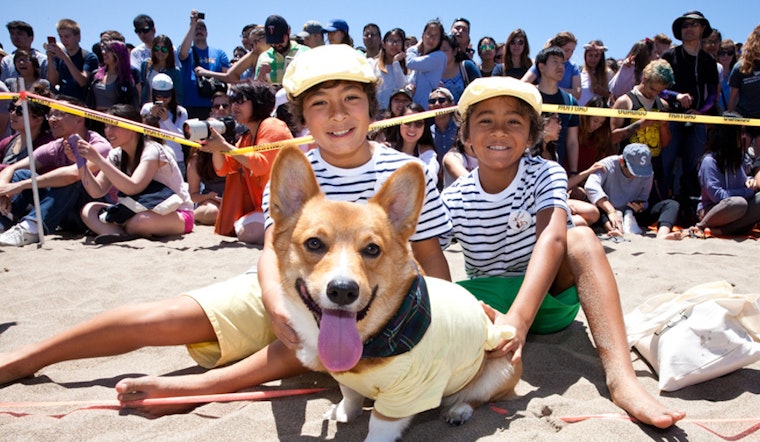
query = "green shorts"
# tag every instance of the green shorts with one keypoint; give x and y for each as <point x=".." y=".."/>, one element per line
<point x="554" y="314"/>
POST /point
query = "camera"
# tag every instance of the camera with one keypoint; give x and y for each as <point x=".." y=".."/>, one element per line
<point x="196" y="129"/>
<point x="201" y="15"/>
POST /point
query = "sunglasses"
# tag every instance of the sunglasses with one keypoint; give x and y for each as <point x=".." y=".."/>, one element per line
<point x="487" y="47"/>
<point x="394" y="42"/>
<point x="18" y="110"/>
<point x="142" y="30"/>
<point x="417" y="124"/>
<point x="731" y="53"/>
<point x="517" y="41"/>
<point x="438" y="100"/>
<point x="220" y="106"/>
<point x="689" y="24"/>
<point x="163" y="49"/>
<point x="238" y="98"/>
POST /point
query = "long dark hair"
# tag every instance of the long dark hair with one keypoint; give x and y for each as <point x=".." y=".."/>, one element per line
<point x="723" y="142"/>
<point x="129" y="112"/>
<point x="167" y="42"/>
<point x="427" y="136"/>
<point x="381" y="54"/>
<point x="525" y="61"/>
<point x="600" y="138"/>
<point x="172" y="105"/>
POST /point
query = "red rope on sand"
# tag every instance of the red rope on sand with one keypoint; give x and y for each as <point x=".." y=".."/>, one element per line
<point x="698" y="422"/>
<point x="178" y="400"/>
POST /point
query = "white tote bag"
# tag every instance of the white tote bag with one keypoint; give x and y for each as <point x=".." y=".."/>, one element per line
<point x="701" y="334"/>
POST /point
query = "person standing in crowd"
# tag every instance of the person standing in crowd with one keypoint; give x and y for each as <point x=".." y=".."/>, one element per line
<point x="22" y="36"/>
<point x="656" y="77"/>
<point x="694" y="92"/>
<point x="390" y="66"/>
<point x="445" y="126"/>
<point x="195" y="51"/>
<point x="629" y="72"/>
<point x="427" y="62"/>
<point x="271" y="65"/>
<point x="517" y="60"/>
<point x="28" y="69"/>
<point x="460" y="29"/>
<point x="727" y="59"/>
<point x="161" y="61"/>
<point x="70" y="69"/>
<point x="459" y="71"/>
<point x="744" y="81"/>
<point x="113" y="82"/>
<point x="551" y="64"/>
<point x="486" y="52"/>
<point x="661" y="44"/>
<point x="571" y="79"/>
<point x="145" y="30"/>
<point x="595" y="75"/>
<point x="313" y="34"/>
<point x="371" y="39"/>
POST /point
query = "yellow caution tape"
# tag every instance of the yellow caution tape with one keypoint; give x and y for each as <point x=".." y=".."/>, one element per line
<point x="102" y="117"/>
<point x="649" y="115"/>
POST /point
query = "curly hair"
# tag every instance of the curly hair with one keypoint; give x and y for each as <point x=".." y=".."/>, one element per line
<point x="261" y="95"/>
<point x="751" y="52"/>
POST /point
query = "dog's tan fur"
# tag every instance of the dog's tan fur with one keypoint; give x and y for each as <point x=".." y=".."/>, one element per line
<point x="317" y="240"/>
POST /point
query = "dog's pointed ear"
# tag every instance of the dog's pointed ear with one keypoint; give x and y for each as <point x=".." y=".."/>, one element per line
<point x="402" y="196"/>
<point x="292" y="184"/>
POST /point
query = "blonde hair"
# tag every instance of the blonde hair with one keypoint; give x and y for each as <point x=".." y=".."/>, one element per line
<point x="751" y="51"/>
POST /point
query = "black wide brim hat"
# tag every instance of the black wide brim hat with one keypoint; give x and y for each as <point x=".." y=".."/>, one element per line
<point x="691" y="15"/>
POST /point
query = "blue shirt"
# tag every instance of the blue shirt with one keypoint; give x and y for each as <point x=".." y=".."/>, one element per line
<point x="444" y="140"/>
<point x="209" y="58"/>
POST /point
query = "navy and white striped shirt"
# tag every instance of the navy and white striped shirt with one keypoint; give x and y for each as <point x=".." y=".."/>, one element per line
<point x="362" y="183"/>
<point x="497" y="232"/>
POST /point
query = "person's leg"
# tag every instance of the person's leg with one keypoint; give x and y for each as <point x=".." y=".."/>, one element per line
<point x="91" y="217"/>
<point x="668" y="156"/>
<point x="175" y="321"/>
<point x="206" y="213"/>
<point x="666" y="213"/>
<point x="147" y="224"/>
<point x="598" y="294"/>
<point x="273" y="362"/>
<point x="727" y="211"/>
<point x="250" y="228"/>
<point x="57" y="204"/>
<point x="744" y="223"/>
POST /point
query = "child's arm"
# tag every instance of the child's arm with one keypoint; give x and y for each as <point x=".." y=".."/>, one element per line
<point x="429" y="254"/>
<point x="544" y="264"/>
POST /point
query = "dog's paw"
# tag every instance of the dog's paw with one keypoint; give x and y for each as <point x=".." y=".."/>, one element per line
<point x="458" y="414"/>
<point x="341" y="413"/>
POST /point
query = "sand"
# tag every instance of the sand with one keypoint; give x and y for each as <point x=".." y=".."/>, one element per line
<point x="69" y="280"/>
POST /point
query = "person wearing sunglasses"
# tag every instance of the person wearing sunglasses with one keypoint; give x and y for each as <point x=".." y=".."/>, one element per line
<point x="445" y="126"/>
<point x="694" y="91"/>
<point x="516" y="61"/>
<point x="145" y="30"/>
<point x="726" y="59"/>
<point x="241" y="214"/>
<point x="13" y="148"/>
<point x="161" y="61"/>
<point x="70" y="67"/>
<point x="487" y="54"/>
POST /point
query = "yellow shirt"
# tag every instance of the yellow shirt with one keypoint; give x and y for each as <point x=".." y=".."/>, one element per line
<point x="446" y="359"/>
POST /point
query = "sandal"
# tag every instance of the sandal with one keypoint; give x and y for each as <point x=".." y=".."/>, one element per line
<point x="696" y="232"/>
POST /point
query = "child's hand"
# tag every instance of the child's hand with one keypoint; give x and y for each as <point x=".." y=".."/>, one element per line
<point x="507" y="348"/>
<point x="280" y="319"/>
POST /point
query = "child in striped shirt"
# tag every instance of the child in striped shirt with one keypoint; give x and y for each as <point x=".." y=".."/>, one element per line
<point x="511" y="218"/>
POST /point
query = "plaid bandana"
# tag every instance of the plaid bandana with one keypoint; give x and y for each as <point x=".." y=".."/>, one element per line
<point x="406" y="328"/>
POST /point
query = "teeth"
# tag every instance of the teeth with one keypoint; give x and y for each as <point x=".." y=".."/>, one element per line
<point x="497" y="147"/>
<point x="343" y="132"/>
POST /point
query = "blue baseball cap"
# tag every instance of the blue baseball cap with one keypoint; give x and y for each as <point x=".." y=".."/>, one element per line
<point x="336" y="25"/>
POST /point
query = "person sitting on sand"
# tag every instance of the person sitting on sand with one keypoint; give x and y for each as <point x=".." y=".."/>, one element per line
<point x="621" y="190"/>
<point x="132" y="166"/>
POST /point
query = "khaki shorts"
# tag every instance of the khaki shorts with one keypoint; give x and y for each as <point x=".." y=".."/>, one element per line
<point x="236" y="312"/>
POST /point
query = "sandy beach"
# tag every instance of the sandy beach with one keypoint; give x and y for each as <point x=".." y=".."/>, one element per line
<point x="71" y="279"/>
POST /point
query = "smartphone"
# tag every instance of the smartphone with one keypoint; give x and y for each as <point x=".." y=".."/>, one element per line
<point x="201" y="15"/>
<point x="73" y="144"/>
<point x="158" y="103"/>
<point x="51" y="40"/>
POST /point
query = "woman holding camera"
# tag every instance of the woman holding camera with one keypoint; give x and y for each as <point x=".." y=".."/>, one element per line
<point x="170" y="115"/>
<point x="241" y="214"/>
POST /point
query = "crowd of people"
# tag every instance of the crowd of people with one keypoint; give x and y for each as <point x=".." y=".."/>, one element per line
<point x="170" y="85"/>
<point x="557" y="177"/>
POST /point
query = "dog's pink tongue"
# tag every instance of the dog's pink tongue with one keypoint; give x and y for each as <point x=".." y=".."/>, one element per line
<point x="340" y="346"/>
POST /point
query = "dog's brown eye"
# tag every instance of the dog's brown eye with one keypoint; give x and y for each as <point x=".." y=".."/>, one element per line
<point x="372" y="250"/>
<point x="314" y="244"/>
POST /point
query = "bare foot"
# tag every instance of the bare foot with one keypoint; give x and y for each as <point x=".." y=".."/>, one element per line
<point x="148" y="387"/>
<point x="674" y="236"/>
<point x="637" y="402"/>
<point x="12" y="368"/>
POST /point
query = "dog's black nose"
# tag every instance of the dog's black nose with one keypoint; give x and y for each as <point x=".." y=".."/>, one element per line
<point x="342" y="291"/>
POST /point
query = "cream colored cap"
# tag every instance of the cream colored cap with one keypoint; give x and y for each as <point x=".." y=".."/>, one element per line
<point x="326" y="63"/>
<point x="484" y="88"/>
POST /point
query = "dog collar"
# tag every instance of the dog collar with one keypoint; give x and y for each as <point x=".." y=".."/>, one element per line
<point x="406" y="328"/>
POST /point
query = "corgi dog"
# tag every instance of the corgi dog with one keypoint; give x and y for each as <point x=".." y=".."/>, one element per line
<point x="364" y="313"/>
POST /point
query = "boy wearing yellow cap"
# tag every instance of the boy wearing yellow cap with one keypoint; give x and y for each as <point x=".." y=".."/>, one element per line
<point x="227" y="321"/>
<point x="532" y="264"/>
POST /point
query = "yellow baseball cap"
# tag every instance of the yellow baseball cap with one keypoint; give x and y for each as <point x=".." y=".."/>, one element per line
<point x="326" y="63"/>
<point x="484" y="88"/>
